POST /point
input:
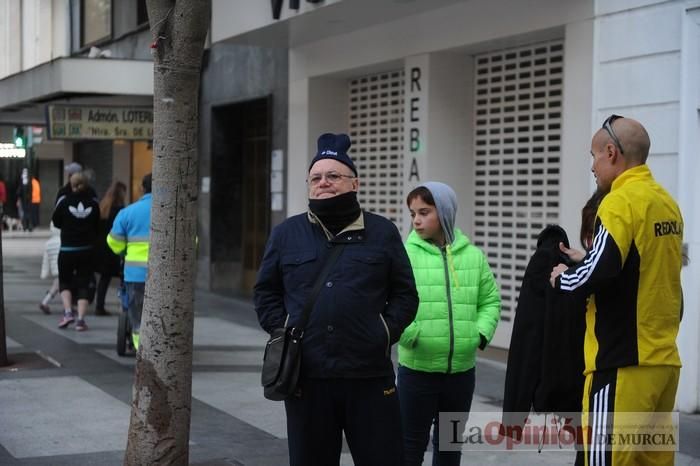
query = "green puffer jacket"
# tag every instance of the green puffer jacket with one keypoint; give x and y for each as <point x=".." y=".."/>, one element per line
<point x="459" y="300"/>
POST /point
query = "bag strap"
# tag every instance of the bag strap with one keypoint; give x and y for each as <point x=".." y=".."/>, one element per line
<point x="331" y="259"/>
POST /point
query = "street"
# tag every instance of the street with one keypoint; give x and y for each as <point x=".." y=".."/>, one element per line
<point x="66" y="398"/>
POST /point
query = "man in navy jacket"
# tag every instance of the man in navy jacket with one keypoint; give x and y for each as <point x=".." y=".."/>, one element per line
<point x="366" y="301"/>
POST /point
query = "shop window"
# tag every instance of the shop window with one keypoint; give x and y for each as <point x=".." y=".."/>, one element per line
<point x="141" y="164"/>
<point x="96" y="20"/>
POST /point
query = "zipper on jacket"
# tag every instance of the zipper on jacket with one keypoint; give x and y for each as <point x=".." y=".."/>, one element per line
<point x="388" y="335"/>
<point x="443" y="251"/>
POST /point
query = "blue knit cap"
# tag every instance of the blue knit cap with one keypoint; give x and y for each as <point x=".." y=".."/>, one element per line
<point x="334" y="146"/>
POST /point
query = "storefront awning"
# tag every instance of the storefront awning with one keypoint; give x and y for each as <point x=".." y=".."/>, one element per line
<point x="23" y="95"/>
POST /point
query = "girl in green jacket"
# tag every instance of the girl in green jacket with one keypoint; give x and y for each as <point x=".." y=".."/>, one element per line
<point x="458" y="312"/>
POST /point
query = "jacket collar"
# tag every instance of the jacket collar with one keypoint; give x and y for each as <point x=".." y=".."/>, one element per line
<point x="357" y="226"/>
<point x="461" y="241"/>
<point x="638" y="173"/>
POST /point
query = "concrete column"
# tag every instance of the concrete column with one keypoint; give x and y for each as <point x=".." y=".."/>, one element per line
<point x="316" y="106"/>
<point x="438" y="127"/>
<point x="297" y="158"/>
<point x="576" y="181"/>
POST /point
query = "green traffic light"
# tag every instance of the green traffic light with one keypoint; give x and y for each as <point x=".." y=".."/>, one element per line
<point x="20" y="140"/>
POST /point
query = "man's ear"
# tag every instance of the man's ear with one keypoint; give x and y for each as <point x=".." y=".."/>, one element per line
<point x="611" y="152"/>
<point x="609" y="149"/>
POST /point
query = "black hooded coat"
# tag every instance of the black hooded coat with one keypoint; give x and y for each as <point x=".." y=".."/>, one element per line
<point x="545" y="359"/>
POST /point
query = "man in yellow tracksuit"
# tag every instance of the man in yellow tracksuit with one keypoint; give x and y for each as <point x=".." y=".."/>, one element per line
<point x="130" y="233"/>
<point x="632" y="273"/>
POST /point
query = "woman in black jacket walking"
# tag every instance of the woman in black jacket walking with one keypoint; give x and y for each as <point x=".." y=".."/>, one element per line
<point x="77" y="215"/>
<point x="107" y="264"/>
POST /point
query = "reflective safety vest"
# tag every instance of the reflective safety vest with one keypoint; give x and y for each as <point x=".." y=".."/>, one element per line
<point x="131" y="233"/>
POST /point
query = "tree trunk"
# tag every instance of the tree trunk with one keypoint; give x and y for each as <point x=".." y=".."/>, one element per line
<point x="159" y="428"/>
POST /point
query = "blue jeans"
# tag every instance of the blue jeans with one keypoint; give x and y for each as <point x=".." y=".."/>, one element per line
<point x="423" y="395"/>
<point x="135" y="291"/>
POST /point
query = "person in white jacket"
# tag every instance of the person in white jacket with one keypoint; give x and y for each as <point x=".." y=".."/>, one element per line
<point x="49" y="267"/>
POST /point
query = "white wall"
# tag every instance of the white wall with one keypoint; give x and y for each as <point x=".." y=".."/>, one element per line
<point x="450" y="130"/>
<point x="36" y="32"/>
<point x="232" y="18"/>
<point x="60" y="28"/>
<point x="32" y="32"/>
<point x="647" y="59"/>
<point x="10" y="56"/>
<point x="576" y="180"/>
<point x="637" y="74"/>
<point x="460" y="25"/>
<point x="299" y="146"/>
<point x="319" y="106"/>
<point x="689" y="197"/>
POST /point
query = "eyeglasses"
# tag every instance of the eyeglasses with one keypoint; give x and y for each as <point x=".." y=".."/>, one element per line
<point x="331" y="177"/>
<point x="607" y="126"/>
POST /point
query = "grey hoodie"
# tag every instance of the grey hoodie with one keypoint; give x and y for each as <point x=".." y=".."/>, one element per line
<point x="446" y="205"/>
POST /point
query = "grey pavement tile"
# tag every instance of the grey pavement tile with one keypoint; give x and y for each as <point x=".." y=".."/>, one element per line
<point x="210" y="331"/>
<point x="60" y="416"/>
<point x="100" y="329"/>
<point x="12" y="344"/>
<point x="223" y="358"/>
<point x="240" y="395"/>
<point x="228" y="358"/>
<point x="219" y="332"/>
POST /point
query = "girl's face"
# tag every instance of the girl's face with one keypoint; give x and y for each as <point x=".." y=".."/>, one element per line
<point x="425" y="221"/>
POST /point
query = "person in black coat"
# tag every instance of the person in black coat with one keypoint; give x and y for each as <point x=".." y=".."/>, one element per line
<point x="77" y="215"/>
<point x="545" y="359"/>
<point x="367" y="299"/>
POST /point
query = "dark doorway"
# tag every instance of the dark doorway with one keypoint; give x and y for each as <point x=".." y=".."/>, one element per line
<point x="240" y="199"/>
<point x="50" y="174"/>
<point x="96" y="159"/>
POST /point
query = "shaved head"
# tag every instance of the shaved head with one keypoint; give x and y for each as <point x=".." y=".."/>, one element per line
<point x="634" y="140"/>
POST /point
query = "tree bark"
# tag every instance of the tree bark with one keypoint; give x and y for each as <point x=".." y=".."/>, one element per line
<point x="160" y="413"/>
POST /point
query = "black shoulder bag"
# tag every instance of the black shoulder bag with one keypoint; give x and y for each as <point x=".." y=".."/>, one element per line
<point x="282" y="359"/>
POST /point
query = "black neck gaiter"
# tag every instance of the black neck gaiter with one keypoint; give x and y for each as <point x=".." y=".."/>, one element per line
<point x="336" y="212"/>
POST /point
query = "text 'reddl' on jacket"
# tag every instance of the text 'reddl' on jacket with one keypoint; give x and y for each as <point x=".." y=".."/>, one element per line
<point x="366" y="300"/>
<point x="131" y="233"/>
<point x="633" y="269"/>
<point x="459" y="300"/>
<point x="545" y="357"/>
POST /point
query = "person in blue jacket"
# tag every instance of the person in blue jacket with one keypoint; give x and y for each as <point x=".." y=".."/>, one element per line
<point x="368" y="298"/>
<point x="130" y="235"/>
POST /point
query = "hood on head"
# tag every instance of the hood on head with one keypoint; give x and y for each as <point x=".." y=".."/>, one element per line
<point x="446" y="204"/>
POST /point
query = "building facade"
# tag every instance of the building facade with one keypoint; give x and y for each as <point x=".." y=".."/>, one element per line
<point x="497" y="98"/>
<point x="78" y="76"/>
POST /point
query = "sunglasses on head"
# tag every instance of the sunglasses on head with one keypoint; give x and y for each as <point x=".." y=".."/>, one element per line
<point x="607" y="126"/>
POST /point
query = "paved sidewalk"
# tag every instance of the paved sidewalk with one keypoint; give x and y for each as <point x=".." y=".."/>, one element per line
<point x="66" y="401"/>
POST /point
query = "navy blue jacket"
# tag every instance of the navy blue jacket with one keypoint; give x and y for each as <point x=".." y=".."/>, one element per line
<point x="367" y="299"/>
